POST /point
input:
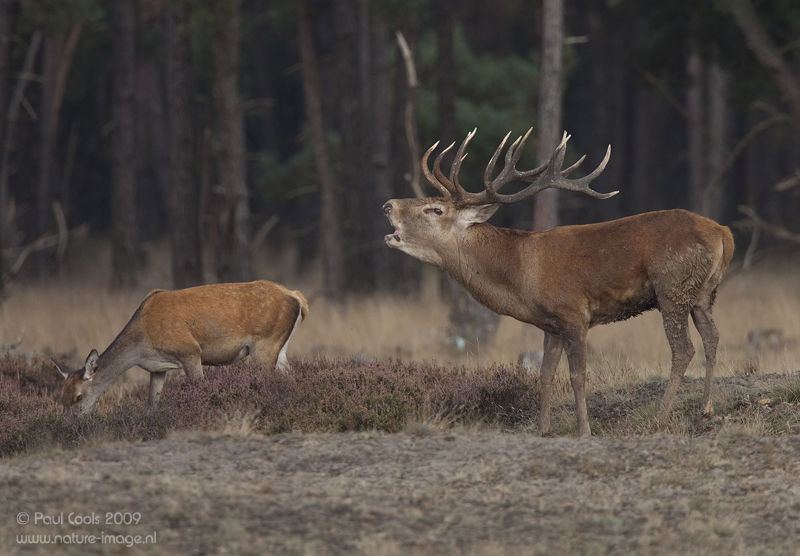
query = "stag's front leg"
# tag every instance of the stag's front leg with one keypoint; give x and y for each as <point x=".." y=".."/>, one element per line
<point x="550" y="359"/>
<point x="575" y="345"/>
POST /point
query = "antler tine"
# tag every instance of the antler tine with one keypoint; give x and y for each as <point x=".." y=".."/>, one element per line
<point x="430" y="177"/>
<point x="553" y="177"/>
<point x="487" y="175"/>
<point x="582" y="184"/>
<point x="509" y="171"/>
<point x="437" y="170"/>
<point x="460" y="156"/>
<point x="569" y="170"/>
<point x="548" y="175"/>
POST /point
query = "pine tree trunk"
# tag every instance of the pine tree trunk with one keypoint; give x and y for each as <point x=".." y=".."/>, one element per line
<point x="124" y="233"/>
<point x="470" y="323"/>
<point x="355" y="105"/>
<point x="642" y="130"/>
<point x="233" y="259"/>
<point x="332" y="250"/>
<point x="381" y="156"/>
<point x="717" y="126"/>
<point x="695" y="105"/>
<point x="445" y="77"/>
<point x="184" y="208"/>
<point x="9" y="11"/>
<point x="545" y="208"/>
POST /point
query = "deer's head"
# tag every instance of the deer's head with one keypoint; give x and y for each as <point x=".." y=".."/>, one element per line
<point x="78" y="392"/>
<point x="428" y="228"/>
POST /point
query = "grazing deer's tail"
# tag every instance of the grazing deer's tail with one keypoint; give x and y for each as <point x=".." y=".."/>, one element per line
<point x="303" y="305"/>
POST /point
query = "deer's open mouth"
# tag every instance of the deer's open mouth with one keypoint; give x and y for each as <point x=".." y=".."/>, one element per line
<point x="394" y="237"/>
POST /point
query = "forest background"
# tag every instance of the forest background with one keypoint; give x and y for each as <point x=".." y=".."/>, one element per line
<point x="231" y="125"/>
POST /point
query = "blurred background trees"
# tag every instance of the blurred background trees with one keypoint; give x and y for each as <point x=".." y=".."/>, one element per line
<point x="203" y="120"/>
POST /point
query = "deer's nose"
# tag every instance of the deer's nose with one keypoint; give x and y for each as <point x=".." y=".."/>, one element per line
<point x="387" y="208"/>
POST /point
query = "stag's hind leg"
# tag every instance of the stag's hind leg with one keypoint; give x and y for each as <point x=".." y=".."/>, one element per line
<point x="701" y="315"/>
<point x="676" y="325"/>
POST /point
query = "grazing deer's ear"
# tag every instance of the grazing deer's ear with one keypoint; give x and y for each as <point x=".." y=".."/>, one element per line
<point x="477" y="214"/>
<point x="91" y="365"/>
<point x="63" y="370"/>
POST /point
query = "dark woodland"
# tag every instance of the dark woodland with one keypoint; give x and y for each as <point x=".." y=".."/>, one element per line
<point x="231" y="125"/>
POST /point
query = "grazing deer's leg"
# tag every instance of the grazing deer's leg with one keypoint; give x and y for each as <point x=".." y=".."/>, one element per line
<point x="282" y="362"/>
<point x="575" y="345"/>
<point x="550" y="359"/>
<point x="193" y="365"/>
<point x="676" y="325"/>
<point x="708" y="332"/>
<point x="156" y="384"/>
<point x="266" y="354"/>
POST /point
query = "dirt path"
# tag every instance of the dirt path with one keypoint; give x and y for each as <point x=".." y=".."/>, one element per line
<point x="378" y="494"/>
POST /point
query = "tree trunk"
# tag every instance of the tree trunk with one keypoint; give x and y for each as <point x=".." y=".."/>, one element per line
<point x="545" y="207"/>
<point x="355" y="104"/>
<point x="124" y="232"/>
<point x="717" y="125"/>
<point x="696" y="141"/>
<point x="445" y="77"/>
<point x="333" y="253"/>
<point x="9" y="11"/>
<point x="184" y="207"/>
<point x="233" y="259"/>
<point x="381" y="156"/>
<point x="470" y="323"/>
<point x="642" y="130"/>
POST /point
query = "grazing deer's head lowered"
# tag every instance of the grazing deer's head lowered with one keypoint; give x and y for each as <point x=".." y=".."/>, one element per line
<point x="570" y="278"/>
<point x="217" y="324"/>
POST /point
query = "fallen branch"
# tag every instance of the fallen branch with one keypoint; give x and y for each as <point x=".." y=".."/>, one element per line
<point x="47" y="241"/>
<point x="773" y="229"/>
<point x="752" y="135"/>
<point x="411" y="115"/>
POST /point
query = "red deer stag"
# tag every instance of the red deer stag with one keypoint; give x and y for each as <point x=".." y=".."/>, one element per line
<point x="570" y="278"/>
<point x="217" y="324"/>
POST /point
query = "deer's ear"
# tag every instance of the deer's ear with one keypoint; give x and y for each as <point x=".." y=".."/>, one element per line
<point x="62" y="369"/>
<point x="91" y="365"/>
<point x="477" y="214"/>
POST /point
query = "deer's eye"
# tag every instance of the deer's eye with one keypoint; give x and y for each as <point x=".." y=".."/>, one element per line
<point x="79" y="398"/>
<point x="436" y="211"/>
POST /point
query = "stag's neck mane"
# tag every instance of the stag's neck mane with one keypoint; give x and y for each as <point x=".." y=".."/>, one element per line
<point x="487" y="263"/>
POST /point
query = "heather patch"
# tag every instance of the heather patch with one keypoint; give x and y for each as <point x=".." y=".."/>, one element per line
<point x="316" y="396"/>
<point x="334" y="396"/>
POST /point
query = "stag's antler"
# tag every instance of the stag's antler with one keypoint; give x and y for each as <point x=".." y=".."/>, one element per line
<point x="545" y="176"/>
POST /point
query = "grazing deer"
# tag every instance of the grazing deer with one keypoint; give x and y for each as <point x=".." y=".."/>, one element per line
<point x="570" y="278"/>
<point x="217" y="324"/>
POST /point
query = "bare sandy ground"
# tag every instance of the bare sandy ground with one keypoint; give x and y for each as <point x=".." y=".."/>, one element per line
<point x="474" y="493"/>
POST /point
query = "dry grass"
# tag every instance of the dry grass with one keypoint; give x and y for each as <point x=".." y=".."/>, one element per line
<point x="75" y="313"/>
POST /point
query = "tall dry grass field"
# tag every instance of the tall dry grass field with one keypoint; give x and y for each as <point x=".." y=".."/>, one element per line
<point x="75" y="313"/>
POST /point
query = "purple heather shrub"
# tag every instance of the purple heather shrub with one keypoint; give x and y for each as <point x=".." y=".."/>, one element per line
<point x="316" y="395"/>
